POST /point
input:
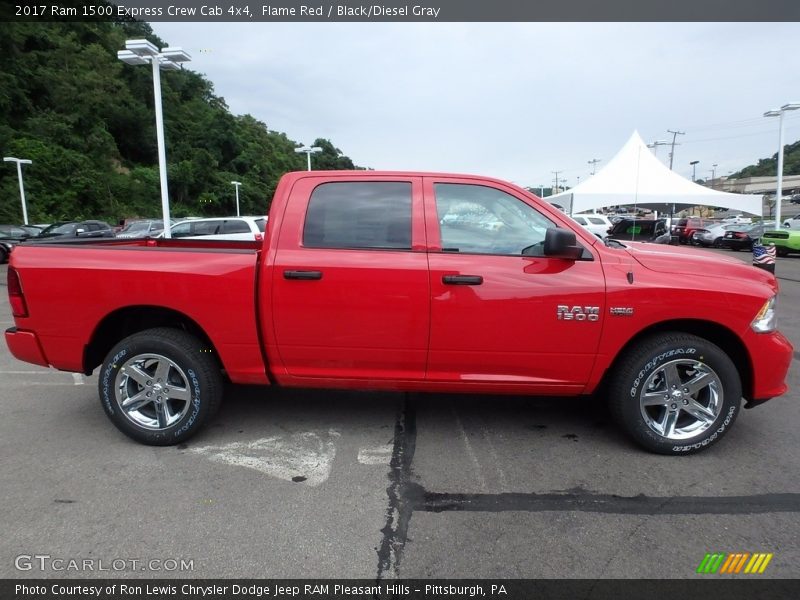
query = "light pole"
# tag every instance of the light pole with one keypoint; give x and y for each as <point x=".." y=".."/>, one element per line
<point x="779" y="188"/>
<point x="141" y="52"/>
<point x="694" y="167"/>
<point x="656" y="144"/>
<point x="20" y="162"/>
<point x="309" y="152"/>
<point x="593" y="162"/>
<point x="236" y="184"/>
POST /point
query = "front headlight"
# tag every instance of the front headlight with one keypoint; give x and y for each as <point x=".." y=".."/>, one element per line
<point x="767" y="318"/>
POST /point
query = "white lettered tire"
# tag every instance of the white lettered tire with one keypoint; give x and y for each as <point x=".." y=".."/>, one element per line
<point x="675" y="393"/>
<point x="160" y="385"/>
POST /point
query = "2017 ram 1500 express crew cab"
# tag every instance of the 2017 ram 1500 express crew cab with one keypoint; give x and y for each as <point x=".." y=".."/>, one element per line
<point x="405" y="281"/>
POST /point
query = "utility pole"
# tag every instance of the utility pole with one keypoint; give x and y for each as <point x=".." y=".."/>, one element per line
<point x="556" y="174"/>
<point x="593" y="162"/>
<point x="675" y="134"/>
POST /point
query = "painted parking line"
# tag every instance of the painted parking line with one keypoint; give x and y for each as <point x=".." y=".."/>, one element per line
<point x="304" y="457"/>
<point x="378" y="455"/>
<point x="74" y="378"/>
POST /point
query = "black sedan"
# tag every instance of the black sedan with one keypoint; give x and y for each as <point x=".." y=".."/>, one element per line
<point x="742" y="238"/>
<point x="76" y="229"/>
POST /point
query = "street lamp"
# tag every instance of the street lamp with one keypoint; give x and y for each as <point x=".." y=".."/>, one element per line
<point x="593" y="162"/>
<point x="309" y="152"/>
<point x="141" y="52"/>
<point x="20" y="162"/>
<point x="779" y="188"/>
<point x="236" y="185"/>
<point x="656" y="144"/>
<point x="694" y="167"/>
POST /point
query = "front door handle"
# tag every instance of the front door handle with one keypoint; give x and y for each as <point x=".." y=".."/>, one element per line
<point x="304" y="275"/>
<point x="462" y="279"/>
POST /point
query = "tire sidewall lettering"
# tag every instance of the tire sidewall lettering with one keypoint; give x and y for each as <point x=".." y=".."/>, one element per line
<point x="109" y="374"/>
<point x="196" y="404"/>
<point x="720" y="430"/>
<point x="654" y="363"/>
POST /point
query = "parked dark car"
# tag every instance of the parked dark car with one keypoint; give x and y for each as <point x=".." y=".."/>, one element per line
<point x="742" y="238"/>
<point x="10" y="236"/>
<point x="77" y="229"/>
<point x="685" y="227"/>
<point x="640" y="230"/>
<point x="33" y="230"/>
<point x="795" y="199"/>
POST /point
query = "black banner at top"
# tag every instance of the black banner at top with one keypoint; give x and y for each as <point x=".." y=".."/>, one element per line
<point x="402" y="10"/>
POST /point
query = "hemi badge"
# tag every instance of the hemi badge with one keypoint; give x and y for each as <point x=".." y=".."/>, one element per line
<point x="621" y="311"/>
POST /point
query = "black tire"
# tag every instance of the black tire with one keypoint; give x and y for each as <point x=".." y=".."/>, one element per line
<point x="159" y="386"/>
<point x="3" y="254"/>
<point x="781" y="251"/>
<point x="652" y="393"/>
<point x="717" y="243"/>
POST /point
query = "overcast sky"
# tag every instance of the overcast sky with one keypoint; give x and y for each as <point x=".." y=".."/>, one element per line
<point x="511" y="100"/>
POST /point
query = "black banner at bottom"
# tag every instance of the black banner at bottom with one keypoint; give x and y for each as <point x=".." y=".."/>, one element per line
<point x="407" y="589"/>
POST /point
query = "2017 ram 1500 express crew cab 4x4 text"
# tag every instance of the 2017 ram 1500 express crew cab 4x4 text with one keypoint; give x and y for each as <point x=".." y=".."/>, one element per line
<point x="405" y="281"/>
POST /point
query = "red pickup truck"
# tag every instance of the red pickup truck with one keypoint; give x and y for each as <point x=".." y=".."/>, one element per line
<point x="405" y="281"/>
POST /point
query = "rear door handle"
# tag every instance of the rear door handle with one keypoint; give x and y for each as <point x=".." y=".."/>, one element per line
<point x="306" y="275"/>
<point x="462" y="279"/>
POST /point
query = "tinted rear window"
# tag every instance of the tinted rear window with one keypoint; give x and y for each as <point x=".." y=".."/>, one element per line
<point x="375" y="215"/>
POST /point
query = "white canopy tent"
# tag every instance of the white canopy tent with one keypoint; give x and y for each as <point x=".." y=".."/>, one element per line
<point x="636" y="177"/>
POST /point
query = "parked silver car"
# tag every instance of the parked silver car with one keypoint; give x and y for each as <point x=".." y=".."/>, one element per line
<point x="711" y="235"/>
<point x="142" y="229"/>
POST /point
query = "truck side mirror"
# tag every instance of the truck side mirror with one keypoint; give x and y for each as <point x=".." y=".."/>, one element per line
<point x="80" y="231"/>
<point x="561" y="243"/>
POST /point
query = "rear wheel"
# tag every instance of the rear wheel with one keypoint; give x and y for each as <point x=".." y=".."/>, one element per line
<point x="3" y="254"/>
<point x="675" y="393"/>
<point x="159" y="386"/>
<point x="781" y="251"/>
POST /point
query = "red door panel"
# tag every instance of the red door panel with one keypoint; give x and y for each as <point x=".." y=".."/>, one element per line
<point x="506" y="325"/>
<point x="352" y="313"/>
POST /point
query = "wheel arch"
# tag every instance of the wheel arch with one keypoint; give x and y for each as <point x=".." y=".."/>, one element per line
<point x="126" y="321"/>
<point x="730" y="343"/>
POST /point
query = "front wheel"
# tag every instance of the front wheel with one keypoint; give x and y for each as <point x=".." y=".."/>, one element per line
<point x="675" y="393"/>
<point x="160" y="385"/>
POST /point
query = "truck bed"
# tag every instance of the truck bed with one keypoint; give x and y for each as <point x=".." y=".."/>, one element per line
<point x="114" y="284"/>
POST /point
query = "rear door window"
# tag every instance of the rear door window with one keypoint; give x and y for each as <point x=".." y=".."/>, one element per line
<point x="235" y="226"/>
<point x="359" y="215"/>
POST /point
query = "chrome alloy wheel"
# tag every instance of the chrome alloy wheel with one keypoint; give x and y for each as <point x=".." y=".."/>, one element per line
<point x="152" y="391"/>
<point x="681" y="399"/>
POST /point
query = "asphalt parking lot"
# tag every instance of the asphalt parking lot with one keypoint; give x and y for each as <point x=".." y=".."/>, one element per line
<point x="293" y="483"/>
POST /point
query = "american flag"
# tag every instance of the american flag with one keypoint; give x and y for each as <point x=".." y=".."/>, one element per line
<point x="763" y="255"/>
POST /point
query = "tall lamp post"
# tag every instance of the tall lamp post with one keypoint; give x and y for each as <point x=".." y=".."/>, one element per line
<point x="656" y="144"/>
<point x="309" y="152"/>
<point x="142" y="52"/>
<point x="694" y="169"/>
<point x="20" y="162"/>
<point x="236" y="185"/>
<point x="778" y="112"/>
<point x="593" y="162"/>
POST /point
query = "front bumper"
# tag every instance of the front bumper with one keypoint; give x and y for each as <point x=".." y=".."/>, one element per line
<point x="771" y="355"/>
